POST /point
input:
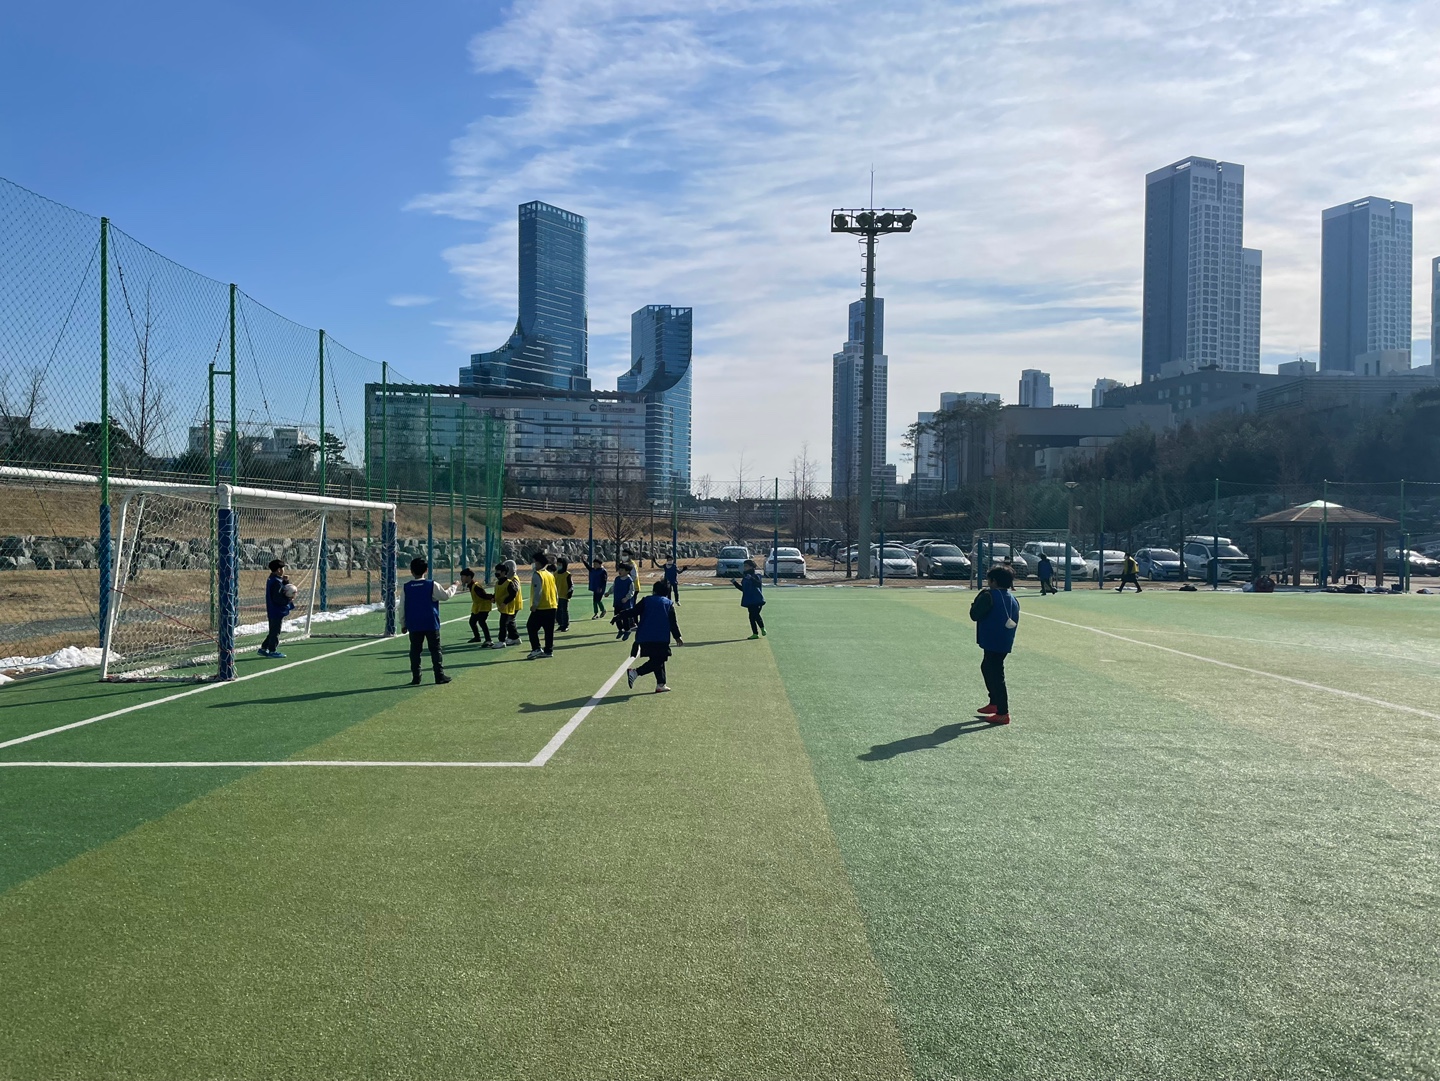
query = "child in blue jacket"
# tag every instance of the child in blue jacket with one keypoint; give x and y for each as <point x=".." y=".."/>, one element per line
<point x="279" y="603"/>
<point x="599" y="580"/>
<point x="752" y="597"/>
<point x="624" y="593"/>
<point x="996" y="613"/>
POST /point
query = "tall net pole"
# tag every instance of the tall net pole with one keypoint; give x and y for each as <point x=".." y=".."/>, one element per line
<point x="429" y="483"/>
<point x="867" y="409"/>
<point x="103" y="549"/>
<point x="464" y="495"/>
<point x="322" y="560"/>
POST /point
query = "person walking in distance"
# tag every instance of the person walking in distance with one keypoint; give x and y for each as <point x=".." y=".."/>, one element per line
<point x="1129" y="573"/>
<point x="420" y="618"/>
<point x="544" y="604"/>
<point x="996" y="613"/>
<point x="752" y="597"/>
<point x="1045" y="571"/>
<point x="656" y="626"/>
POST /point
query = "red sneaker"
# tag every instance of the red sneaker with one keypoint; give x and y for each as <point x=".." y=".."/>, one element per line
<point x="988" y="711"/>
<point x="1000" y="718"/>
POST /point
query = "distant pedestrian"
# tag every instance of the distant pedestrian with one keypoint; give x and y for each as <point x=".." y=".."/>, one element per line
<point x="1129" y="573"/>
<point x="752" y="597"/>
<point x="1045" y="571"/>
<point x="657" y="626"/>
<point x="996" y="613"/>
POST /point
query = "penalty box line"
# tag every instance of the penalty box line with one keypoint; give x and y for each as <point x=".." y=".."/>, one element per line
<point x="1380" y="702"/>
<point x="543" y="756"/>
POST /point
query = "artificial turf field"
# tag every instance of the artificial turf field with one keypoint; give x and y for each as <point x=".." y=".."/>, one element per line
<point x="806" y="862"/>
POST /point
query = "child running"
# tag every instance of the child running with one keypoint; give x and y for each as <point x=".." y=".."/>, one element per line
<point x="657" y="625"/>
<point x="507" y="602"/>
<point x="599" y="580"/>
<point x="481" y="601"/>
<point x="996" y="613"/>
<point x="420" y="617"/>
<point x="752" y="597"/>
<point x="564" y="590"/>
<point x="624" y="595"/>
<point x="543" y="605"/>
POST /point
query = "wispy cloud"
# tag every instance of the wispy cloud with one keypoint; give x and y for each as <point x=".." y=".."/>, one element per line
<point x="410" y="300"/>
<point x="706" y="142"/>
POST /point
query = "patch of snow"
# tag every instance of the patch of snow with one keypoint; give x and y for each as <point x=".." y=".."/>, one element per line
<point x="61" y="659"/>
<point x="298" y="624"/>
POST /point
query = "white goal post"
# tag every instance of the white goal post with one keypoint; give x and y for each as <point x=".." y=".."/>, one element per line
<point x="189" y="563"/>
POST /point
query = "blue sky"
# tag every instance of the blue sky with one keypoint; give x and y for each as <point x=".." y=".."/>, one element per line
<point x="357" y="166"/>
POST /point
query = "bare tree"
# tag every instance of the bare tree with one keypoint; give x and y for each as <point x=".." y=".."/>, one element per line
<point x="621" y="503"/>
<point x="21" y="397"/>
<point x="802" y="491"/>
<point x="740" y="500"/>
<point x="143" y="402"/>
<point x="702" y="486"/>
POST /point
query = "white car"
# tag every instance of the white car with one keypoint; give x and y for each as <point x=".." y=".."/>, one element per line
<point x="898" y="562"/>
<point x="1114" y="564"/>
<point x="730" y="563"/>
<point x="792" y="563"/>
<point x="1060" y="553"/>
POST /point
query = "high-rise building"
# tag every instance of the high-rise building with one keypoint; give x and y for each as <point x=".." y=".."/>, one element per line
<point x="1035" y="389"/>
<point x="1365" y="283"/>
<point x="1097" y="392"/>
<point x="1194" y="293"/>
<point x="1250" y="262"/>
<point x="1435" y="315"/>
<point x="846" y="388"/>
<point x="548" y="349"/>
<point x="660" y="341"/>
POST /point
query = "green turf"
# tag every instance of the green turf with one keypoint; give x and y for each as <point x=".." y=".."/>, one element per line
<point x="806" y="862"/>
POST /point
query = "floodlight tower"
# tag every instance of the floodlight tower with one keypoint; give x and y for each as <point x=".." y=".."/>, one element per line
<point x="868" y="224"/>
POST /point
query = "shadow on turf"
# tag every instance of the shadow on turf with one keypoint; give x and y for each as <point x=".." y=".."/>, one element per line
<point x="928" y="741"/>
<point x="312" y="696"/>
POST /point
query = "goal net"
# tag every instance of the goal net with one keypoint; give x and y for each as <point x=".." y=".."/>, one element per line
<point x="189" y="565"/>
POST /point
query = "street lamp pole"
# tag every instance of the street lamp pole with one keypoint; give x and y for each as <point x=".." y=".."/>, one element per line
<point x="868" y="224"/>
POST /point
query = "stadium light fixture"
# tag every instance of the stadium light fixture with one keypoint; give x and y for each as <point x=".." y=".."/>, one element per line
<point x="868" y="223"/>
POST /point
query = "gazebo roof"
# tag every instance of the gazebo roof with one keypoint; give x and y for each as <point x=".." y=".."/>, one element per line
<point x="1318" y="511"/>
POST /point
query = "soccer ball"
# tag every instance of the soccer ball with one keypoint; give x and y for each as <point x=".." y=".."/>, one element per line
<point x="289" y="590"/>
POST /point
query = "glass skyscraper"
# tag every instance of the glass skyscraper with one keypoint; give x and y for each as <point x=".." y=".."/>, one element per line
<point x="846" y="385"/>
<point x="1365" y="282"/>
<point x="660" y="343"/>
<point x="1197" y="278"/>
<point x="548" y="349"/>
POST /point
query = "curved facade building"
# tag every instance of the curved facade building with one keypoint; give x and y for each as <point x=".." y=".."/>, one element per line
<point x="549" y="347"/>
<point x="660" y="347"/>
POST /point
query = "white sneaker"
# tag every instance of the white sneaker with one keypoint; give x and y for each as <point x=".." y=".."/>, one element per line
<point x="662" y="688"/>
<point x="534" y="653"/>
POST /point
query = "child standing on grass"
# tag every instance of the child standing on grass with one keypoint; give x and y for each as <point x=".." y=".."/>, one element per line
<point x="657" y="625"/>
<point x="544" y="604"/>
<point x="420" y="617"/>
<point x="599" y="580"/>
<point x="507" y="603"/>
<point x="672" y="578"/>
<point x="564" y="590"/>
<point x="752" y="597"/>
<point x="624" y="596"/>
<point x="996" y="613"/>
<point x="481" y="601"/>
<point x="278" y="605"/>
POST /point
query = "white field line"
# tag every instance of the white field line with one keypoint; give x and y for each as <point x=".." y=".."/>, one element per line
<point x="1326" y="647"/>
<point x="199" y="690"/>
<point x="558" y="739"/>
<point x="546" y="753"/>
<point x="1248" y="671"/>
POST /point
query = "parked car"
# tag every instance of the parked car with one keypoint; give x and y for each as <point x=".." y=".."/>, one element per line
<point x="790" y="561"/>
<point x="730" y="563"/>
<point x="999" y="552"/>
<point x="1114" y="564"/>
<point x="1160" y="564"/>
<point x="1059" y="553"/>
<point x="1420" y="565"/>
<point x="1234" y="565"/>
<point x="941" y="559"/>
<point x="898" y="562"/>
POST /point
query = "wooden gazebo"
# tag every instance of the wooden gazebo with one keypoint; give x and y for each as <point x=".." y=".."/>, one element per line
<point x="1332" y="517"/>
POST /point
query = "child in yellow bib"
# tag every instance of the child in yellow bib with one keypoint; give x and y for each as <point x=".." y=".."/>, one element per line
<point x="481" y="601"/>
<point x="508" y="601"/>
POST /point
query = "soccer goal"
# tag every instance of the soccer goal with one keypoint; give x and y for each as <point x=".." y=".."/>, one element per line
<point x="189" y="566"/>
